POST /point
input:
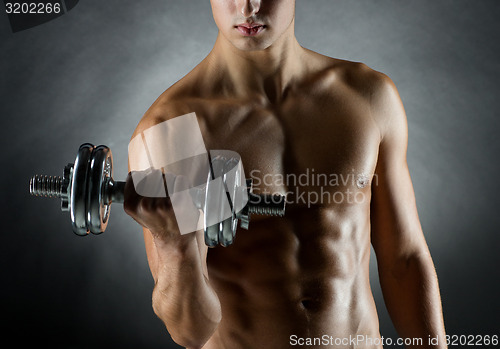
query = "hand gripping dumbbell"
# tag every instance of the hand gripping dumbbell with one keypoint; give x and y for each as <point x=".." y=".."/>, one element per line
<point x="87" y="189"/>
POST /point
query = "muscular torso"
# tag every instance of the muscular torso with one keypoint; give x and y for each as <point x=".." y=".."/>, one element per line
<point x="305" y="275"/>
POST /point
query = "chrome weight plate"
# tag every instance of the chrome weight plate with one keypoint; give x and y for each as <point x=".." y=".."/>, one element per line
<point x="100" y="173"/>
<point x="78" y="193"/>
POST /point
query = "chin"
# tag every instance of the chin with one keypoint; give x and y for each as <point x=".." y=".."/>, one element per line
<point x="251" y="48"/>
<point x="251" y="44"/>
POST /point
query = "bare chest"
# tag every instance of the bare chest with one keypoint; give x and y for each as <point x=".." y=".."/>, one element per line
<point x="322" y="156"/>
<point x="315" y="147"/>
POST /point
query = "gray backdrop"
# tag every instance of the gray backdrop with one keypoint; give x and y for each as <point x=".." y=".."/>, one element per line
<point x="92" y="73"/>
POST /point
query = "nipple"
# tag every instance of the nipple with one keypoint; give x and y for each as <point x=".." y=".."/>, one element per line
<point x="362" y="181"/>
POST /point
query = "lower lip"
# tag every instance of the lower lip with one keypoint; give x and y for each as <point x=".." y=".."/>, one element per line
<point x="250" y="31"/>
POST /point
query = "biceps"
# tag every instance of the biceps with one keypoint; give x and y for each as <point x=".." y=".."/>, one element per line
<point x="396" y="230"/>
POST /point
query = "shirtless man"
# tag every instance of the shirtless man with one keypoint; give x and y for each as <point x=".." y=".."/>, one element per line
<point x="290" y="111"/>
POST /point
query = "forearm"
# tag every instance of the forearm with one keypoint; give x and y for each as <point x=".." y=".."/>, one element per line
<point x="183" y="298"/>
<point x="411" y="294"/>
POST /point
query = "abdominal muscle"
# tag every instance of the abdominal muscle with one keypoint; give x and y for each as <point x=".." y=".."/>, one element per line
<point x="302" y="281"/>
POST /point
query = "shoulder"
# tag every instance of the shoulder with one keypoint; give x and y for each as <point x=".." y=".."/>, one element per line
<point x="174" y="102"/>
<point x="360" y="78"/>
<point x="368" y="86"/>
<point x="378" y="91"/>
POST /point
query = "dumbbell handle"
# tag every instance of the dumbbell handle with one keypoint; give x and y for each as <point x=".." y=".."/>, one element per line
<point x="115" y="191"/>
<point x="260" y="204"/>
<point x="53" y="186"/>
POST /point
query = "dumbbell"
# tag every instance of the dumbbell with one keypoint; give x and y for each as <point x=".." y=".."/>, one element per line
<point x="87" y="190"/>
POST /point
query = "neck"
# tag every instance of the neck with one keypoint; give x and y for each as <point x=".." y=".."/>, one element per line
<point x="267" y="72"/>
